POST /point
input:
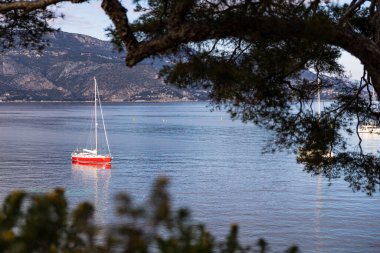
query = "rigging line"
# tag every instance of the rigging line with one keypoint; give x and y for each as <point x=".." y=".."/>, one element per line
<point x="96" y="120"/>
<point x="104" y="126"/>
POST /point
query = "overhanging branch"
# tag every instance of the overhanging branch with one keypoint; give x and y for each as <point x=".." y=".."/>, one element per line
<point x="355" y="4"/>
<point x="32" y="5"/>
<point x="118" y="14"/>
<point x="242" y="25"/>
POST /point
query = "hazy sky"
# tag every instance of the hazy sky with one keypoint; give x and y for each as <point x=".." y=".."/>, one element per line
<point x="90" y="19"/>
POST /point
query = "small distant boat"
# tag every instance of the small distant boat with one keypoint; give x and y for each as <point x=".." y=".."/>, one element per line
<point x="94" y="155"/>
<point x="369" y="128"/>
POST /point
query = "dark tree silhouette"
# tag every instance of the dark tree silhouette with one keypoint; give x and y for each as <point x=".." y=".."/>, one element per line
<point x="251" y="55"/>
<point x="25" y="22"/>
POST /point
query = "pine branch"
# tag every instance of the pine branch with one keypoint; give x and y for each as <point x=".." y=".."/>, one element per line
<point x="118" y="14"/>
<point x="351" y="10"/>
<point x="32" y="5"/>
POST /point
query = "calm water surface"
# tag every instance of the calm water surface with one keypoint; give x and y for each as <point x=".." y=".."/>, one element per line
<point x="215" y="167"/>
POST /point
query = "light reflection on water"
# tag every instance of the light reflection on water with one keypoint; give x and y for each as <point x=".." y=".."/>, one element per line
<point x="215" y="167"/>
<point x="94" y="181"/>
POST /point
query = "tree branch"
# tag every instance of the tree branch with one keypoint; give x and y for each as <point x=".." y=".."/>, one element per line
<point x="32" y="5"/>
<point x="236" y="26"/>
<point x="246" y="27"/>
<point x="118" y="14"/>
<point x="181" y="8"/>
<point x="351" y="10"/>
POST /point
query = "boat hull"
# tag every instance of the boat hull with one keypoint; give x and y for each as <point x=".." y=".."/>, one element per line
<point x="91" y="160"/>
<point x="369" y="129"/>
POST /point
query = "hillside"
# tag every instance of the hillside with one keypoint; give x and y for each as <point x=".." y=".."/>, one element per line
<point x="64" y="71"/>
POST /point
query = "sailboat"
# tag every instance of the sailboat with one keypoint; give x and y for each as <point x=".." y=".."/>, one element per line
<point x="370" y="126"/>
<point x="305" y="154"/>
<point x="94" y="155"/>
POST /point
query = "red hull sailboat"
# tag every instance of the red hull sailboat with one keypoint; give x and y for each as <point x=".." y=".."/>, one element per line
<point x="90" y="166"/>
<point x="94" y="155"/>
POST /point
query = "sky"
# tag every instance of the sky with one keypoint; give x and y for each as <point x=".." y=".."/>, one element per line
<point x="90" y="19"/>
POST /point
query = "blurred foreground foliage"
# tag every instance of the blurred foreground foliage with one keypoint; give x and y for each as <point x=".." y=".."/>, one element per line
<point x="43" y="223"/>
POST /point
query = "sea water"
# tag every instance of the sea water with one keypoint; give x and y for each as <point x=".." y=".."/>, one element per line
<point x="215" y="166"/>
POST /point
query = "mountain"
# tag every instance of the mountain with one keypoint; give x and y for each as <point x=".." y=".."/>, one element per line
<point x="64" y="71"/>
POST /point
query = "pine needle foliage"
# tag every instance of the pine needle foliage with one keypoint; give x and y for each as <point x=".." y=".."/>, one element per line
<point x="43" y="223"/>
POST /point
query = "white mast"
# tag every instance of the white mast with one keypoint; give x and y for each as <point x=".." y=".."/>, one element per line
<point x="319" y="96"/>
<point x="96" y="121"/>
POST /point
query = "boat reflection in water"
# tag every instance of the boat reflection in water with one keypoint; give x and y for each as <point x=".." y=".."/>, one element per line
<point x="319" y="236"/>
<point x="94" y="182"/>
<point x="90" y="166"/>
